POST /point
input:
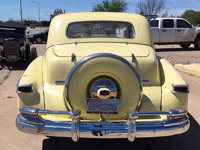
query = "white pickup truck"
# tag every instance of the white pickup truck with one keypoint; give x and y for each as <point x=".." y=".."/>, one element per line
<point x="174" y="31"/>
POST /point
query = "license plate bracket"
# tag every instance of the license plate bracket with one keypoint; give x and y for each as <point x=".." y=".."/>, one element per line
<point x="102" y="106"/>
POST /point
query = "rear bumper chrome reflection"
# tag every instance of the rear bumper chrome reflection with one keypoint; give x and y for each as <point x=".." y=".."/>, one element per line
<point x="176" y="122"/>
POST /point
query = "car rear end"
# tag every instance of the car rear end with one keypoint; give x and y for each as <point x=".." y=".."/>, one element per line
<point x="104" y="86"/>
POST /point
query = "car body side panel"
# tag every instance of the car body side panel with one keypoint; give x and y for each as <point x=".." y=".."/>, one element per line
<point x="170" y="76"/>
<point x="55" y="69"/>
<point x="32" y="75"/>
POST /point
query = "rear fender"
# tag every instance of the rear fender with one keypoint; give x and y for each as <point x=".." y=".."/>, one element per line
<point x="170" y="78"/>
<point x="30" y="86"/>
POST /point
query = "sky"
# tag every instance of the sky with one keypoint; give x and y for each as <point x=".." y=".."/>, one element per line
<point x="10" y="9"/>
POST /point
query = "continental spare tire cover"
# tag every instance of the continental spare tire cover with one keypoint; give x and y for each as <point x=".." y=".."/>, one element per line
<point x="108" y="68"/>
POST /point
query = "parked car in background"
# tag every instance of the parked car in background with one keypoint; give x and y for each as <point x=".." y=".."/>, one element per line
<point x="39" y="38"/>
<point x="174" y="31"/>
<point x="13" y="45"/>
<point x="33" y="26"/>
<point x="101" y="85"/>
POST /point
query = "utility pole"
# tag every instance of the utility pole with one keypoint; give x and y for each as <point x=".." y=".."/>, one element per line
<point x="21" y="9"/>
<point x="39" y="10"/>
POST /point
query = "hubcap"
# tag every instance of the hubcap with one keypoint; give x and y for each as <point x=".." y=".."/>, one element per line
<point x="38" y="40"/>
<point x="104" y="88"/>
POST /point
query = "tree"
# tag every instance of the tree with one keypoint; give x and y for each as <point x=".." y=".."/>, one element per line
<point x="113" y="6"/>
<point x="56" y="12"/>
<point x="192" y="16"/>
<point x="165" y="14"/>
<point x="150" y="7"/>
<point x="45" y="23"/>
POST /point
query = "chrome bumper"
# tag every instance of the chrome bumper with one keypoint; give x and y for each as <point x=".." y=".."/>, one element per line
<point x="176" y="122"/>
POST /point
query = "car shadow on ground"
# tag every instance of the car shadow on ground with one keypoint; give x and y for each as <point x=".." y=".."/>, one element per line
<point x="21" y="65"/>
<point x="173" y="49"/>
<point x="186" y="141"/>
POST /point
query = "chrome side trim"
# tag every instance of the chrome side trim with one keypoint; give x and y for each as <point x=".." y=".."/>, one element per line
<point x="59" y="82"/>
<point x="145" y="81"/>
<point x="87" y="58"/>
<point x="29" y="120"/>
<point x="30" y="90"/>
<point x="130" y="129"/>
<point x="96" y="42"/>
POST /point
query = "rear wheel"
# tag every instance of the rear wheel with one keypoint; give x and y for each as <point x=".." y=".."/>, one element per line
<point x="27" y="52"/>
<point x="33" y="54"/>
<point x="197" y="43"/>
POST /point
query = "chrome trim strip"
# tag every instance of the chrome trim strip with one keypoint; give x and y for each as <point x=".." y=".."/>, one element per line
<point x="131" y="129"/>
<point x="35" y="111"/>
<point x="29" y="111"/>
<point x="145" y="81"/>
<point x="170" y="123"/>
<point x="171" y="112"/>
<point x="59" y="82"/>
<point x="97" y="42"/>
<point x="87" y="58"/>
<point x="28" y="120"/>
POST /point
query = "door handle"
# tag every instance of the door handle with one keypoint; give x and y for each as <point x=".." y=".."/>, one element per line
<point x="164" y="30"/>
<point x="178" y="30"/>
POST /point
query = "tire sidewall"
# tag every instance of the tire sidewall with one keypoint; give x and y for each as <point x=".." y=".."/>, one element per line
<point x="38" y="40"/>
<point x="197" y="43"/>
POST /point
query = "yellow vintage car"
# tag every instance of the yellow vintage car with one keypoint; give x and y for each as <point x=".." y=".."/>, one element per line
<point x="100" y="78"/>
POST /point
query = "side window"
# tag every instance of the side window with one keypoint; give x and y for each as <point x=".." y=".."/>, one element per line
<point x="182" y="24"/>
<point x="168" y="23"/>
<point x="153" y="23"/>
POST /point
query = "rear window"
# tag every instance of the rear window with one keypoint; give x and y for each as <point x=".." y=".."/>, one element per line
<point x="101" y="29"/>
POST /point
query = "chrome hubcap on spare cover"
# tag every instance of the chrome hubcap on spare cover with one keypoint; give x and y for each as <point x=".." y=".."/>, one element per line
<point x="104" y="88"/>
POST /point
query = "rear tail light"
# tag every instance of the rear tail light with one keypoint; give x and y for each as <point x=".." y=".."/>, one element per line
<point x="180" y="89"/>
<point x="24" y="89"/>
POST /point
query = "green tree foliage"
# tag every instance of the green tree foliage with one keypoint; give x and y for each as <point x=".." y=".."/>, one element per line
<point x="113" y="6"/>
<point x="192" y="16"/>
<point x="45" y="23"/>
<point x="29" y="22"/>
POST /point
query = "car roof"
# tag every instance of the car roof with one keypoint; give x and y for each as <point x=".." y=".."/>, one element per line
<point x="59" y="24"/>
<point x="11" y="25"/>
